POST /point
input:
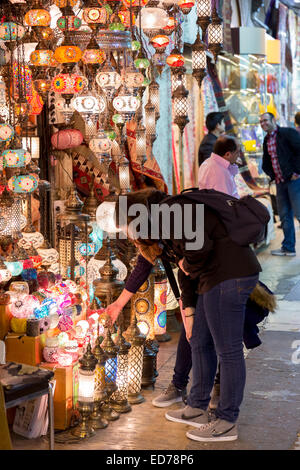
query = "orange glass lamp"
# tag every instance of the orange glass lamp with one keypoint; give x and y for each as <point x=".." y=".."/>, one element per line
<point x="186" y="5"/>
<point x="38" y="16"/>
<point x="68" y="54"/>
<point x="67" y="85"/>
<point x="160" y="42"/>
<point x="175" y="59"/>
<point x="94" y="15"/>
<point x="136" y="5"/>
<point x="171" y="26"/>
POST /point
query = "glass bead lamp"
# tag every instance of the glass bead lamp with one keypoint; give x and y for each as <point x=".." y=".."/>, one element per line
<point x="68" y="84"/>
<point x="37" y="16"/>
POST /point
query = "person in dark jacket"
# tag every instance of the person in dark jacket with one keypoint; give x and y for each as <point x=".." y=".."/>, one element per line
<point x="214" y="292"/>
<point x="215" y="126"/>
<point x="281" y="162"/>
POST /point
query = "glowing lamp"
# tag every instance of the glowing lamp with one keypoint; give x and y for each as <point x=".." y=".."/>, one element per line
<point x="94" y="16"/>
<point x="6" y="132"/>
<point x="150" y="123"/>
<point x="68" y="84"/>
<point x="23" y="183"/>
<point x="160" y="42"/>
<point x="10" y="31"/>
<point x="66" y="138"/>
<point x="14" y="267"/>
<point x="175" y="59"/>
<point x="87" y="104"/>
<point x="93" y="56"/>
<point x="186" y="5"/>
<point x="37" y="17"/>
<point x="170" y="27"/>
<point x="41" y="57"/>
<point x="126" y="104"/>
<point x="48" y="255"/>
<point x="141" y="63"/>
<point x="15" y="158"/>
<point x="109" y="80"/>
<point x="203" y="8"/>
<point x="124" y="175"/>
<point x="29" y="239"/>
<point x="69" y="23"/>
<point x="133" y="79"/>
<point x="153" y="20"/>
<point x="100" y="143"/>
<point x="215" y="34"/>
<point x="141" y="143"/>
<point x="32" y="145"/>
<point x="105" y="217"/>
<point x="199" y="60"/>
<point x="67" y="53"/>
<point x="135" y="362"/>
<point x="42" y="86"/>
<point x="117" y="27"/>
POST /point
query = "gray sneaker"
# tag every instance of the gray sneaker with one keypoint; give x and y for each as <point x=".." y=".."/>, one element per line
<point x="215" y="431"/>
<point x="215" y="397"/>
<point x="192" y="416"/>
<point x="282" y="252"/>
<point x="169" y="396"/>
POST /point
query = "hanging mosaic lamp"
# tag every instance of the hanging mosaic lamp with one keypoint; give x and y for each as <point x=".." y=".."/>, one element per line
<point x="93" y="54"/>
<point x="23" y="183"/>
<point x="186" y="6"/>
<point x="15" y="158"/>
<point x="6" y="132"/>
<point x="38" y="16"/>
<point x="160" y="42"/>
<point x="126" y="104"/>
<point x="68" y="84"/>
<point x="68" y="54"/>
<point x="153" y="20"/>
<point x="175" y="59"/>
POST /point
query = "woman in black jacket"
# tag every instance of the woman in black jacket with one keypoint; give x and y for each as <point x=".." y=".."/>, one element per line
<point x="216" y="280"/>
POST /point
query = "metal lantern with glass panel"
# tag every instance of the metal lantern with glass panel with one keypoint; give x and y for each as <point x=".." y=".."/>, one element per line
<point x="86" y="385"/>
<point x="111" y="369"/>
<point x="150" y="122"/>
<point x="199" y="61"/>
<point x="119" y="399"/>
<point x="215" y="34"/>
<point x="203" y="9"/>
<point x="73" y="232"/>
<point x="140" y="133"/>
<point x="180" y="102"/>
<point x="154" y="96"/>
<point x="135" y="362"/>
<point x="96" y="419"/>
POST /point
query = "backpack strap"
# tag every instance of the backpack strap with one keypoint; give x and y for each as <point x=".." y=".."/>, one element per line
<point x="171" y="278"/>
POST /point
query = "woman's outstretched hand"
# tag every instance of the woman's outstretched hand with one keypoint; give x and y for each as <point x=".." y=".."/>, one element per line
<point x="113" y="310"/>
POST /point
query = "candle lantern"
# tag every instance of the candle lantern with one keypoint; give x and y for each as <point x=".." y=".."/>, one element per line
<point x="96" y="420"/>
<point x="111" y="368"/>
<point x="86" y="379"/>
<point x="135" y="362"/>
<point x="141" y="143"/>
<point x="119" y="399"/>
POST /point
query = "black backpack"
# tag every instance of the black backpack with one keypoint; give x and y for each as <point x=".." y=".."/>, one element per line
<point x="245" y="219"/>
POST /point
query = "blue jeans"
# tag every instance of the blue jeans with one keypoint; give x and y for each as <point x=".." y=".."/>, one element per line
<point x="288" y="204"/>
<point x="183" y="362"/>
<point x="218" y="335"/>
